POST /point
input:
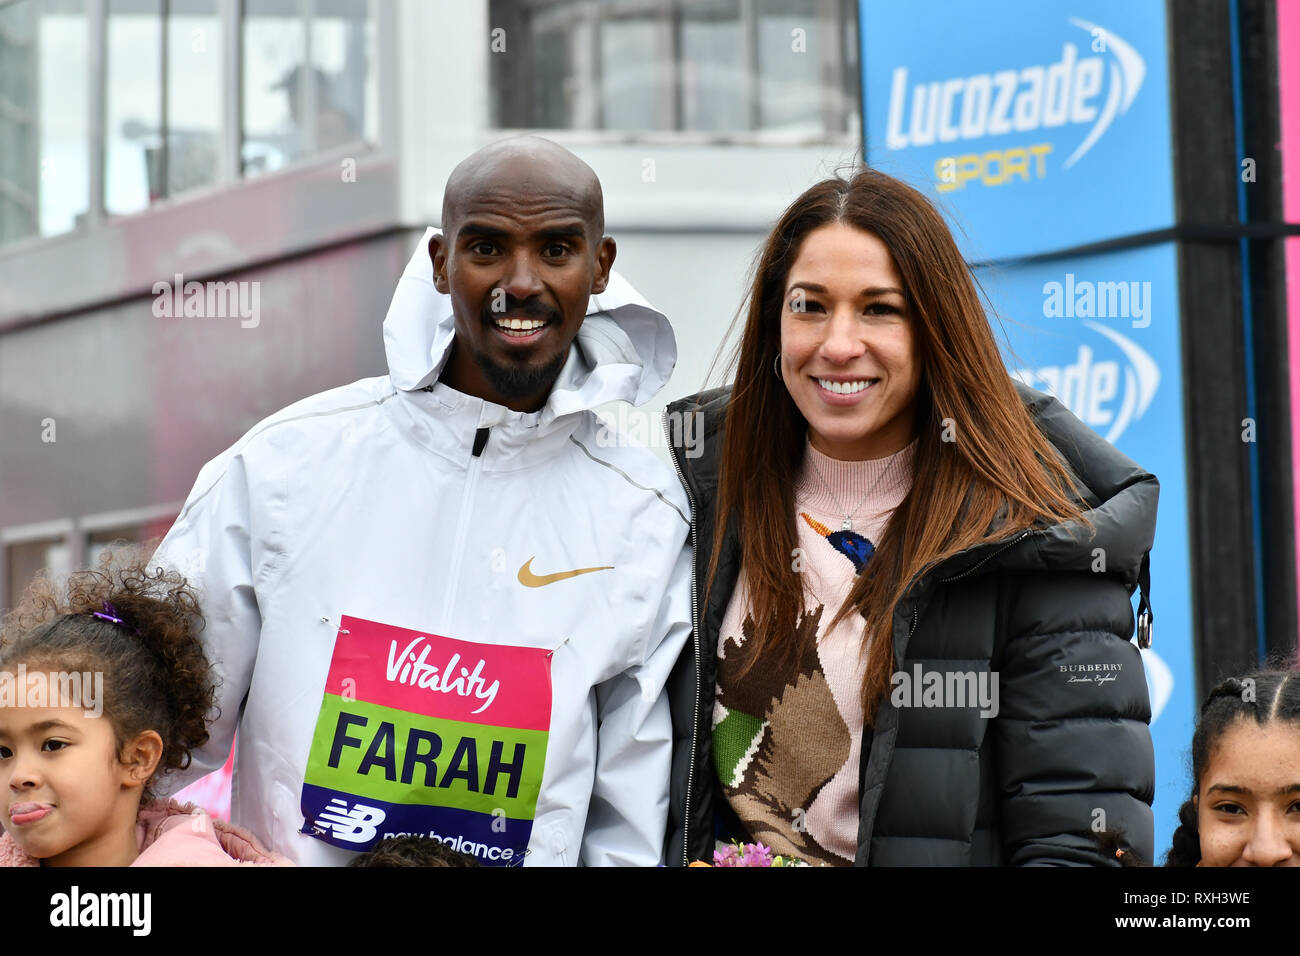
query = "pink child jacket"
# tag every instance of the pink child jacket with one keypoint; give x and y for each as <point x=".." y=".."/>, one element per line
<point x="176" y="834"/>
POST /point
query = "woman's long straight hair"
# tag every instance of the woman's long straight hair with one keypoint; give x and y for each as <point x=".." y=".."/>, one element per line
<point x="995" y="475"/>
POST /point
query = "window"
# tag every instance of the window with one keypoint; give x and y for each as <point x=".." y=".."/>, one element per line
<point x="310" y="83"/>
<point x="64" y="545"/>
<point x="44" y="119"/>
<point x="190" y="98"/>
<point x="97" y="542"/>
<point x="713" y="87"/>
<point x="133" y="129"/>
<point x="195" y="50"/>
<point x="274" y="49"/>
<point x="162" y="100"/>
<point x="785" y="67"/>
<point x="24" y="560"/>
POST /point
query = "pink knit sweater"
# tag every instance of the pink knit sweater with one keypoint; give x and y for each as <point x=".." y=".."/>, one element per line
<point x="787" y="740"/>
<point x="177" y="834"/>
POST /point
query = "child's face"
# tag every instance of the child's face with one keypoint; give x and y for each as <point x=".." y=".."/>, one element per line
<point x="68" y="799"/>
<point x="1248" y="806"/>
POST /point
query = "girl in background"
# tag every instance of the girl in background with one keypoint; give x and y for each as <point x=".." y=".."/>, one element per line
<point x="103" y="691"/>
<point x="1245" y="804"/>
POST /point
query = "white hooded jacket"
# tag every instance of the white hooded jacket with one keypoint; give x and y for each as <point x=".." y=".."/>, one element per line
<point x="362" y="546"/>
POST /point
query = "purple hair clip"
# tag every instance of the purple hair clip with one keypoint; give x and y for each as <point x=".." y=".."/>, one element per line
<point x="109" y="614"/>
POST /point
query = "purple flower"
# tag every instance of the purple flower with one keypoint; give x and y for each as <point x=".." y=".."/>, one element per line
<point x="743" y="854"/>
<point x="755" y="854"/>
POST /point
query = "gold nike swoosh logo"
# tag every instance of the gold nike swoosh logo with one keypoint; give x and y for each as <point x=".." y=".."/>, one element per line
<point x="530" y="580"/>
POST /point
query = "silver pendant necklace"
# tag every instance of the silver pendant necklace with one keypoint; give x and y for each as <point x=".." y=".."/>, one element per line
<point x="847" y="523"/>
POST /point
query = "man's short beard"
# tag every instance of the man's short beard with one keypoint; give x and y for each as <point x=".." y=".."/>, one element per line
<point x="520" y="381"/>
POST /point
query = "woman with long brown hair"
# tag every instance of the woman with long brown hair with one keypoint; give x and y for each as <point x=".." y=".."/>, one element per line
<point x="913" y="575"/>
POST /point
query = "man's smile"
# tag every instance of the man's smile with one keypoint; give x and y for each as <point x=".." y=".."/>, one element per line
<point x="517" y="330"/>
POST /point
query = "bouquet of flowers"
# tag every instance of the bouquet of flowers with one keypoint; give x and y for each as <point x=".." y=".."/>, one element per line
<point x="749" y="854"/>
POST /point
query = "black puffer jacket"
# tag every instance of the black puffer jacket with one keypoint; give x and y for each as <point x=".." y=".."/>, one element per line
<point x="1063" y="757"/>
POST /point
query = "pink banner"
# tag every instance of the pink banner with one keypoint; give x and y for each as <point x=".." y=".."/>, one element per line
<point x="1288" y="78"/>
<point x="410" y="670"/>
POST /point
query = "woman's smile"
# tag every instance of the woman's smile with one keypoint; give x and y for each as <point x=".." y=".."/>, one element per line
<point x="844" y="391"/>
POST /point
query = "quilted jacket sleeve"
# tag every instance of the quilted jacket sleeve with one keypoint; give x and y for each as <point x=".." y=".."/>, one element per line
<point x="1074" y="751"/>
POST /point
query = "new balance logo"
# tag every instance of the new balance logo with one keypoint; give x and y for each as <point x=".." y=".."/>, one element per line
<point x="358" y="825"/>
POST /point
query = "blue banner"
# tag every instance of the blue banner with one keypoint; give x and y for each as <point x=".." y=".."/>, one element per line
<point x="1035" y="125"/>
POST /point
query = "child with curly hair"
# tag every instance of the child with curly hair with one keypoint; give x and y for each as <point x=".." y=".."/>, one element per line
<point x="104" y="688"/>
<point x="1245" y="804"/>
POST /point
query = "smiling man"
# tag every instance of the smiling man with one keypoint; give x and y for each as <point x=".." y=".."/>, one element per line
<point x="439" y="606"/>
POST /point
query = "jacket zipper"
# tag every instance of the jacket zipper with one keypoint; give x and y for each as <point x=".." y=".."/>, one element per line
<point x="462" y="525"/>
<point x="975" y="567"/>
<point x="695" y="639"/>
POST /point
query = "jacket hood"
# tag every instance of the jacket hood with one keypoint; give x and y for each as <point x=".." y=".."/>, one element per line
<point x="625" y="350"/>
<point x="1118" y="496"/>
<point x="1120" y="499"/>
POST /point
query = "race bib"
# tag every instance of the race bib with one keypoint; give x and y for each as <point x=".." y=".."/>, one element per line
<point x="431" y="736"/>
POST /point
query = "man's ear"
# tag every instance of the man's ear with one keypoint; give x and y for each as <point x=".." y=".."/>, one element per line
<point x="139" y="758"/>
<point x="438" y="255"/>
<point x="605" y="254"/>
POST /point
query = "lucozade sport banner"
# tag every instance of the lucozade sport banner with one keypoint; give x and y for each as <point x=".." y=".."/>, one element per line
<point x="1040" y="126"/>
